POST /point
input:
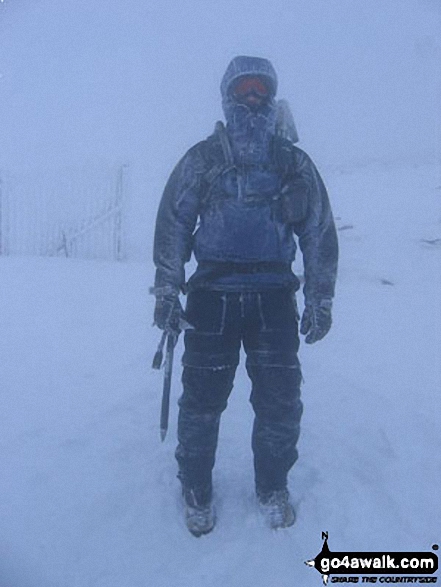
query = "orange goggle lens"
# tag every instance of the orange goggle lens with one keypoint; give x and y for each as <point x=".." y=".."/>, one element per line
<point x="246" y="85"/>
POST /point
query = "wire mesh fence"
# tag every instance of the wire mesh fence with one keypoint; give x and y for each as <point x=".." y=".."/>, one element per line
<point x="71" y="212"/>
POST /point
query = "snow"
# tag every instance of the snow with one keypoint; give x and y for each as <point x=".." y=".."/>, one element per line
<point x="89" y="495"/>
<point x="88" y="492"/>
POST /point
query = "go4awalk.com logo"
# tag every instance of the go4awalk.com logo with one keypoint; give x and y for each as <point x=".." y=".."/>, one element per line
<point x="363" y="565"/>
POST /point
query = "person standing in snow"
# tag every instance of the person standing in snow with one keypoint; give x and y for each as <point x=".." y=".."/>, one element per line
<point x="236" y="200"/>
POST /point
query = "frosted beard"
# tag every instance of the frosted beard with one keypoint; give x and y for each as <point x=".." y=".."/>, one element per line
<point x="250" y="131"/>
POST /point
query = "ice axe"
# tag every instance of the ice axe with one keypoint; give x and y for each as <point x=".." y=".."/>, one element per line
<point x="168" y="368"/>
<point x="171" y="338"/>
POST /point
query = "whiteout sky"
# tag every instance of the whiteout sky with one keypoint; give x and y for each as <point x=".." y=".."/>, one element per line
<point x="91" y="81"/>
<point x="139" y="81"/>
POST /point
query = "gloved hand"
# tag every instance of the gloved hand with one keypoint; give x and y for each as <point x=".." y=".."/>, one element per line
<point x="168" y="310"/>
<point x="316" y="320"/>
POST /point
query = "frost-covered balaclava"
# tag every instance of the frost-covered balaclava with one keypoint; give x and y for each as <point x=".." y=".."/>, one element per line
<point x="250" y="130"/>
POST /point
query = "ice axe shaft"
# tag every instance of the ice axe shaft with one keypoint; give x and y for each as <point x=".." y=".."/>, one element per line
<point x="168" y="368"/>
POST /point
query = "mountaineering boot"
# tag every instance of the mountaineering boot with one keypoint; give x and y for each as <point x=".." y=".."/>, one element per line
<point x="199" y="515"/>
<point x="277" y="508"/>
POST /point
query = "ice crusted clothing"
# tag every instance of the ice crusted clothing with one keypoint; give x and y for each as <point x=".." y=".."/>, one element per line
<point x="239" y="217"/>
<point x="242" y="218"/>
<point x="236" y="201"/>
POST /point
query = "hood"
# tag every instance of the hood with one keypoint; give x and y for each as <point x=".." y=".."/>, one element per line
<point x="250" y="132"/>
<point x="244" y="65"/>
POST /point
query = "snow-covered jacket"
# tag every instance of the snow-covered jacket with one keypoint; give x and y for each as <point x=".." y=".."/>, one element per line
<point x="246" y="211"/>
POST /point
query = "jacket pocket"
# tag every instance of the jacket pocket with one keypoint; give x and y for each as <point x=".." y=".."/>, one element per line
<point x="206" y="311"/>
<point x="277" y="310"/>
<point x="294" y="200"/>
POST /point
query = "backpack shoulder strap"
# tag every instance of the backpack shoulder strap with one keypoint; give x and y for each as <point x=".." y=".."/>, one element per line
<point x="221" y="132"/>
<point x="221" y="158"/>
<point x="284" y="155"/>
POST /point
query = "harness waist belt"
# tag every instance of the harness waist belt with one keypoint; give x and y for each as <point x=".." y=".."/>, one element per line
<point x="229" y="267"/>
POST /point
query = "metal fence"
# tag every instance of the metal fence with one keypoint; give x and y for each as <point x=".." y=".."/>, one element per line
<point x="71" y="212"/>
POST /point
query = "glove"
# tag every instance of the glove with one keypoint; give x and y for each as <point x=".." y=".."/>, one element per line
<point x="168" y="310"/>
<point x="316" y="320"/>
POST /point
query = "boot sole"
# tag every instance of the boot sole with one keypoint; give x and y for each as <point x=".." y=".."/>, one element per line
<point x="199" y="533"/>
<point x="287" y="522"/>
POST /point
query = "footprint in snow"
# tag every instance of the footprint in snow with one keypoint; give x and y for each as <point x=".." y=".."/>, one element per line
<point x="432" y="242"/>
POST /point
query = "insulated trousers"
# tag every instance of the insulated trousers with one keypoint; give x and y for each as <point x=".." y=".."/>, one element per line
<point x="266" y="322"/>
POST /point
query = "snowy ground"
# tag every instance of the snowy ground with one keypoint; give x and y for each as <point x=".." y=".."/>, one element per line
<point x="88" y="492"/>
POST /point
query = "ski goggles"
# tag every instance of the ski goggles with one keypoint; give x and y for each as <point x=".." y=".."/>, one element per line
<point x="250" y="84"/>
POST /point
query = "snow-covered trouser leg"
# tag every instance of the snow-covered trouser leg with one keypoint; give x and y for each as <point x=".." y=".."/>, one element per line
<point x="276" y="402"/>
<point x="210" y="360"/>
<point x="204" y="398"/>
<point x="267" y="323"/>
<point x="274" y="370"/>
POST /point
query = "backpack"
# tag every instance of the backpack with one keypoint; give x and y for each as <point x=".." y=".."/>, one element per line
<point x="284" y="139"/>
<point x="283" y="160"/>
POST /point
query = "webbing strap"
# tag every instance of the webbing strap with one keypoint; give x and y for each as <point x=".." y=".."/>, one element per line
<point x="225" y="143"/>
<point x="281" y="159"/>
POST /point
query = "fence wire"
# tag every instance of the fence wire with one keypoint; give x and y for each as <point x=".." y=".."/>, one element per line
<point x="72" y="212"/>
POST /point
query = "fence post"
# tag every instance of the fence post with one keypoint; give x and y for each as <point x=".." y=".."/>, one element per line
<point x="1" y="214"/>
<point x="121" y="186"/>
<point x="4" y="220"/>
<point x="23" y="219"/>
